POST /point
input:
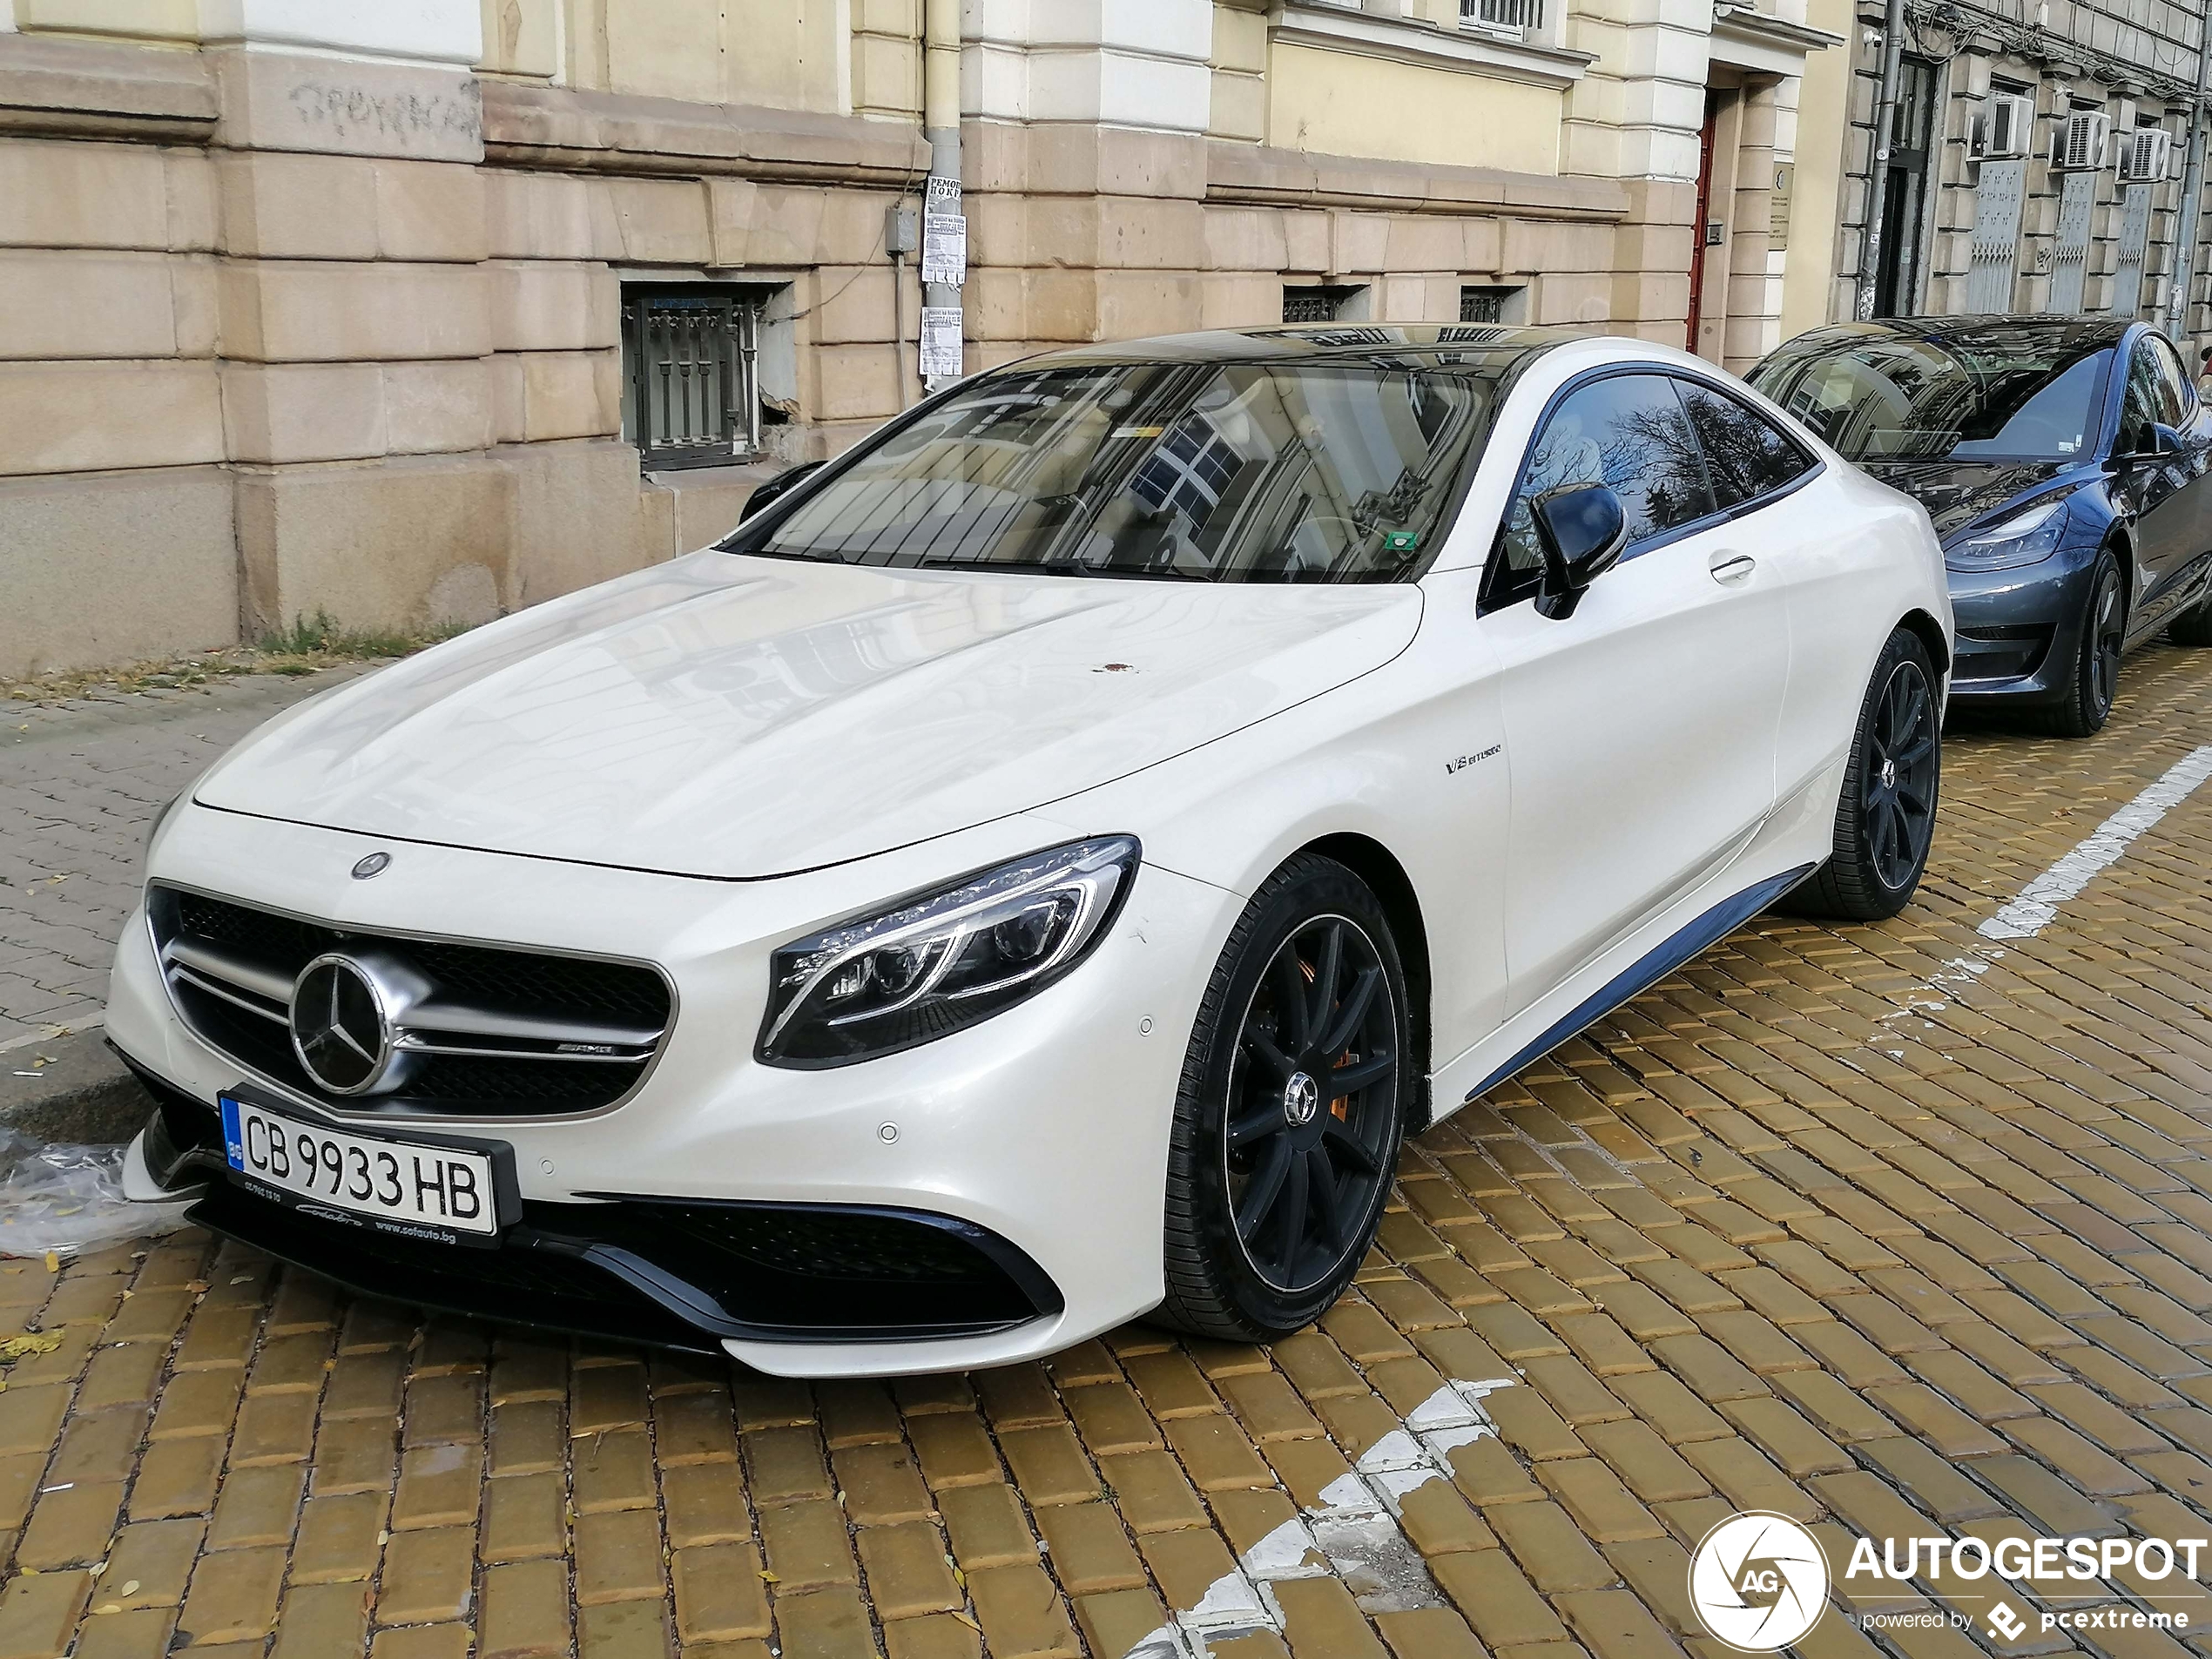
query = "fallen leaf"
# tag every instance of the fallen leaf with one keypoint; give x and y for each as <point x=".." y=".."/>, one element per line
<point x="129" y="1587"/>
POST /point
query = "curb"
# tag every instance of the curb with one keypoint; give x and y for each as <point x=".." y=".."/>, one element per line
<point x="82" y="1093"/>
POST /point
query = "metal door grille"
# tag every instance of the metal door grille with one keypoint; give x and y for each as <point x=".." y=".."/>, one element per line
<point x="1994" y="261"/>
<point x="2135" y="243"/>
<point x="2070" y="259"/>
<point x="691" y="360"/>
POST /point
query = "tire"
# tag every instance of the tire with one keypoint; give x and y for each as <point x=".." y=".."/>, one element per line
<point x="2083" y="708"/>
<point x="1254" y="1111"/>
<point x="1886" y="820"/>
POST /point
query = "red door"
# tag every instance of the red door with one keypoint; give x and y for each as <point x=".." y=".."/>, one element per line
<point x="1697" y="247"/>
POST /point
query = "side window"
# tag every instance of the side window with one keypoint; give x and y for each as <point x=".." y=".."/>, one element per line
<point x="1747" y="454"/>
<point x="2149" y="398"/>
<point x="1626" y="430"/>
<point x="2178" y="393"/>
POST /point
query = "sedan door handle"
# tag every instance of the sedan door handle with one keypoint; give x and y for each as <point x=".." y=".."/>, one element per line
<point x="1732" y="567"/>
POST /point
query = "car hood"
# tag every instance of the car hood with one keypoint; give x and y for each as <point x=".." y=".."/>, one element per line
<point x="734" y="717"/>
<point x="1956" y="493"/>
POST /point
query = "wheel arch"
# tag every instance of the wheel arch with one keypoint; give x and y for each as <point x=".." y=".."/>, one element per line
<point x="1379" y="867"/>
<point x="1929" y="632"/>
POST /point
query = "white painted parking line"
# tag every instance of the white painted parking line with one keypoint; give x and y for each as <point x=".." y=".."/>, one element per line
<point x="2039" y="902"/>
<point x="1351" y="1534"/>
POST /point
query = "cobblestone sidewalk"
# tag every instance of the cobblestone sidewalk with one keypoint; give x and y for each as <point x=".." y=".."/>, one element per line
<point x="1903" y="1230"/>
<point x="78" y="786"/>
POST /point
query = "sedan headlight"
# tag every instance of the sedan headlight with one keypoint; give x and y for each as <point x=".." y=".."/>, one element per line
<point x="2026" y="537"/>
<point x="889" y="979"/>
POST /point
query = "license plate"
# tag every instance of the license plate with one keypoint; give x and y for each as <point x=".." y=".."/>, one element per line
<point x="402" y="1186"/>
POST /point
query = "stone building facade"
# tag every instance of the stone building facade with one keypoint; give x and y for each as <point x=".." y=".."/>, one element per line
<point x="2036" y="162"/>
<point x="426" y="311"/>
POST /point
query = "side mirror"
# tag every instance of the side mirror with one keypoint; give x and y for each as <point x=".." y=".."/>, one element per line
<point x="766" y="495"/>
<point x="1582" y="529"/>
<point x="2151" y="440"/>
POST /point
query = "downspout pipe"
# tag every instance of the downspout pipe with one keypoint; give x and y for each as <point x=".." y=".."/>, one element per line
<point x="1870" y="241"/>
<point x="941" y="114"/>
<point x="2189" y="222"/>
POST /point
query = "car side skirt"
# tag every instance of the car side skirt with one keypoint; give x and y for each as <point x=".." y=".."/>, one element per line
<point x="1650" y="969"/>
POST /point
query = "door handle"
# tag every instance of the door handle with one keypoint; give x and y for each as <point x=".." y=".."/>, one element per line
<point x="1732" y="567"/>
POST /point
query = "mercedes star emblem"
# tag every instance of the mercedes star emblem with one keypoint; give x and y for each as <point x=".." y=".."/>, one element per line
<point x="339" y="1029"/>
<point x="373" y="864"/>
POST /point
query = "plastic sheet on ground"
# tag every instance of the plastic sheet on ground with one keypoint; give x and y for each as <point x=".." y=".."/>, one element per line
<point x="63" y="1198"/>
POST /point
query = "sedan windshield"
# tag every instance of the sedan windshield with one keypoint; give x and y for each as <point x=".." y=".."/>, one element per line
<point x="2000" y="394"/>
<point x="1202" y="471"/>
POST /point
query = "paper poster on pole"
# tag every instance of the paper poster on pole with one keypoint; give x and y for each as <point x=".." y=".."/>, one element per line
<point x="940" y="344"/>
<point x="944" y="234"/>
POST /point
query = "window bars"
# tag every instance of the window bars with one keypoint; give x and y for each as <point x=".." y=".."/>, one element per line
<point x="1524" y="15"/>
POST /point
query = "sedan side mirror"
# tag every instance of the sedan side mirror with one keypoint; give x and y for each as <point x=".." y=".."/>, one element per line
<point x="766" y="495"/>
<point x="1582" y="529"/>
<point x="2152" y="442"/>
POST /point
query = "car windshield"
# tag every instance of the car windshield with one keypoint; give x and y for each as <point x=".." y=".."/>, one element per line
<point x="1204" y="471"/>
<point x="2003" y="395"/>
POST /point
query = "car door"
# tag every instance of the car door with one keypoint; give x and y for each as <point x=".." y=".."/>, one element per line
<point x="1813" y="566"/>
<point x="2165" y="493"/>
<point x="1640" y="730"/>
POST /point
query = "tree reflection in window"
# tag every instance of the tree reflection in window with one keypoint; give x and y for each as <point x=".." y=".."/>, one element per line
<point x="1629" y="432"/>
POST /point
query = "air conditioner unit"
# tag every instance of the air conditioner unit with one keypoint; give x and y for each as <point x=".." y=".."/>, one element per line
<point x="2004" y="126"/>
<point x="2080" y="142"/>
<point x="2145" y="154"/>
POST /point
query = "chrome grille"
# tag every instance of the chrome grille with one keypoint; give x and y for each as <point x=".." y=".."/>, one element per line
<point x="501" y="1032"/>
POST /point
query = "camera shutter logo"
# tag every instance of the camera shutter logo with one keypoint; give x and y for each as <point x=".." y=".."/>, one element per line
<point x="1758" y="1582"/>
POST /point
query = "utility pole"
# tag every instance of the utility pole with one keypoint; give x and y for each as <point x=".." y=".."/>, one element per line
<point x="944" y="227"/>
<point x="2189" y="222"/>
<point x="1870" y="241"/>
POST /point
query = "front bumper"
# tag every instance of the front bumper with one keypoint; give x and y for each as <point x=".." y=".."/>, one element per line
<point x="2019" y="630"/>
<point x="1030" y="1150"/>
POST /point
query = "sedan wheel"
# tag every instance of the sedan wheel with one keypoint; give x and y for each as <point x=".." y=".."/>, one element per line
<point x="1294" y="1097"/>
<point x="2086" y="703"/>
<point x="1886" y="817"/>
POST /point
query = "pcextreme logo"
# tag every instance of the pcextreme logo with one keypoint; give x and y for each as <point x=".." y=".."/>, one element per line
<point x="1759" y="1581"/>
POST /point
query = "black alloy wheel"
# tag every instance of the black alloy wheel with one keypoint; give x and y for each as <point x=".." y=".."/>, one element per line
<point x="1885" y="816"/>
<point x="1315" y="1079"/>
<point x="2086" y="702"/>
<point x="1297" y="1086"/>
<point x="1898" y="785"/>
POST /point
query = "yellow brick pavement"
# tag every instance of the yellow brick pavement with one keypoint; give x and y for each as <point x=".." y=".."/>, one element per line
<point x="1896" y="1229"/>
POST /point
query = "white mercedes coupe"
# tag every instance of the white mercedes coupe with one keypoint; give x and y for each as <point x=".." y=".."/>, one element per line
<point x="1034" y="872"/>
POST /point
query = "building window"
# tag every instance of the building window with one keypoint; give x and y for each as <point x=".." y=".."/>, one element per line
<point x="1526" y="16"/>
<point x="690" y="363"/>
<point x="1319" y="304"/>
<point x="1479" y="303"/>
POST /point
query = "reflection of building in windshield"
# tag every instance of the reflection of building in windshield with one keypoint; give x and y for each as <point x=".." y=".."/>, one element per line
<point x="1250" y="471"/>
<point x="1910" y="400"/>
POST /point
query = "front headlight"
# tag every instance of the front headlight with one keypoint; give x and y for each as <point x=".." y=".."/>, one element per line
<point x="889" y="979"/>
<point x="2026" y="537"/>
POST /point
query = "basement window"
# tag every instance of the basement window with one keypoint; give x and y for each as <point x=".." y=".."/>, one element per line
<point x="691" y="367"/>
<point x="1479" y="303"/>
<point x="1323" y="303"/>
